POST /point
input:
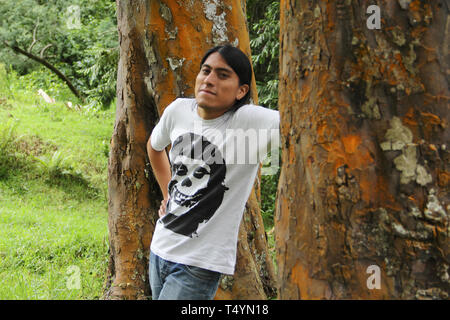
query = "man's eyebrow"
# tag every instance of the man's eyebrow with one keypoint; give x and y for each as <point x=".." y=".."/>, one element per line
<point x="218" y="69"/>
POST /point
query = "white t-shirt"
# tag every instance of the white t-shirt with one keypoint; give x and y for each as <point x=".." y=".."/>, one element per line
<point x="214" y="165"/>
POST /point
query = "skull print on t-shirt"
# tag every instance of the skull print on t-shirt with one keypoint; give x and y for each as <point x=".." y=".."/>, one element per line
<point x="197" y="186"/>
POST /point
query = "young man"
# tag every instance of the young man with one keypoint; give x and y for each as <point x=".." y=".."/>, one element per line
<point x="217" y="143"/>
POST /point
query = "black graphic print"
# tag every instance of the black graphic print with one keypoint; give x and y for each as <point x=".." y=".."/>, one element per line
<point x="197" y="186"/>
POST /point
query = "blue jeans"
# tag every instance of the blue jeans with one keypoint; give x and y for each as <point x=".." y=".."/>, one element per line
<point x="176" y="281"/>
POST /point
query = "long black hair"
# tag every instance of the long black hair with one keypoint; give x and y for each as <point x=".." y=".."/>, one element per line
<point x="240" y="64"/>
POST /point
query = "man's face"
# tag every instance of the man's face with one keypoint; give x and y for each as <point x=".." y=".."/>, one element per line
<point x="217" y="85"/>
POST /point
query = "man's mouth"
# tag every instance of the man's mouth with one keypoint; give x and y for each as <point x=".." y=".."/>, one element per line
<point x="208" y="92"/>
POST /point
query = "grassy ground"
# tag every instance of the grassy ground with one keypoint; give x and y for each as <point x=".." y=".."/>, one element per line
<point x="53" y="200"/>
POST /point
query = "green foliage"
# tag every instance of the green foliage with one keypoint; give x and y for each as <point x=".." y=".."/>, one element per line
<point x="5" y="83"/>
<point x="56" y="166"/>
<point x="264" y="42"/>
<point x="8" y="139"/>
<point x="7" y="136"/>
<point x="82" y="35"/>
<point x="263" y="20"/>
<point x="269" y="184"/>
<point x="98" y="67"/>
<point x="42" y="78"/>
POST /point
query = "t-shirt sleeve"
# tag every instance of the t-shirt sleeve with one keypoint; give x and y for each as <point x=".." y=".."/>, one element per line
<point x="160" y="136"/>
<point x="270" y="119"/>
<point x="267" y="124"/>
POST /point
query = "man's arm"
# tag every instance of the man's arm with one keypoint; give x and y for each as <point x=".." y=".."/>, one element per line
<point x="161" y="169"/>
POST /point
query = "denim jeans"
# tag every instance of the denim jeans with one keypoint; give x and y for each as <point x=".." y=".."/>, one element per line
<point x="176" y="281"/>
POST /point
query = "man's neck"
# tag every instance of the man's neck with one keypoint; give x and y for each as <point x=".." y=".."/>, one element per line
<point x="210" y="113"/>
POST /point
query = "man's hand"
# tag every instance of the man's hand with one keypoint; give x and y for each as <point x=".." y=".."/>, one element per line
<point x="162" y="208"/>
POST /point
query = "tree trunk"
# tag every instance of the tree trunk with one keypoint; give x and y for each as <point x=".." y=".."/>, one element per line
<point x="161" y="44"/>
<point x="365" y="173"/>
<point x="133" y="192"/>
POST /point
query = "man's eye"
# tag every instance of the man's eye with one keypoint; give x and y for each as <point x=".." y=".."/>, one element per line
<point x="223" y="75"/>
<point x="200" y="172"/>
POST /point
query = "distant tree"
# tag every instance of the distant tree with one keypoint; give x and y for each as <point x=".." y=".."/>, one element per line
<point x="77" y="38"/>
<point x="264" y="25"/>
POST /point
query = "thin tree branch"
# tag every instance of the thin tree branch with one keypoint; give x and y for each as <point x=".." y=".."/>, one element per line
<point x="49" y="66"/>
<point x="34" y="36"/>
<point x="43" y="50"/>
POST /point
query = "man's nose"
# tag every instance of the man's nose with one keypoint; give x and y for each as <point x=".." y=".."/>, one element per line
<point x="210" y="78"/>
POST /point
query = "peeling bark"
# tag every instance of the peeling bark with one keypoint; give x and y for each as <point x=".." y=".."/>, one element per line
<point x="133" y="191"/>
<point x="161" y="45"/>
<point x="364" y="125"/>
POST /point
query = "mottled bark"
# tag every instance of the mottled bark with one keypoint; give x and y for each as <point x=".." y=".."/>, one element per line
<point x="255" y="276"/>
<point x="364" y="124"/>
<point x="133" y="192"/>
<point x="162" y="43"/>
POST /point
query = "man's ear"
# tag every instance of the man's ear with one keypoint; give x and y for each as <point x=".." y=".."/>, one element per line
<point x="242" y="91"/>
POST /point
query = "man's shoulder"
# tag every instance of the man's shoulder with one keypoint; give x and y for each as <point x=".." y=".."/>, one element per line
<point x="251" y="108"/>
<point x="180" y="103"/>
<point x="254" y="116"/>
<point x="183" y="102"/>
<point x="254" y="112"/>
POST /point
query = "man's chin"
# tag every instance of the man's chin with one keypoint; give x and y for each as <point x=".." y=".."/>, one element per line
<point x="211" y="107"/>
<point x="205" y="104"/>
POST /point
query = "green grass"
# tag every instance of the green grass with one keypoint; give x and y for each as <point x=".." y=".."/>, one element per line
<point x="42" y="236"/>
<point x="53" y="197"/>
